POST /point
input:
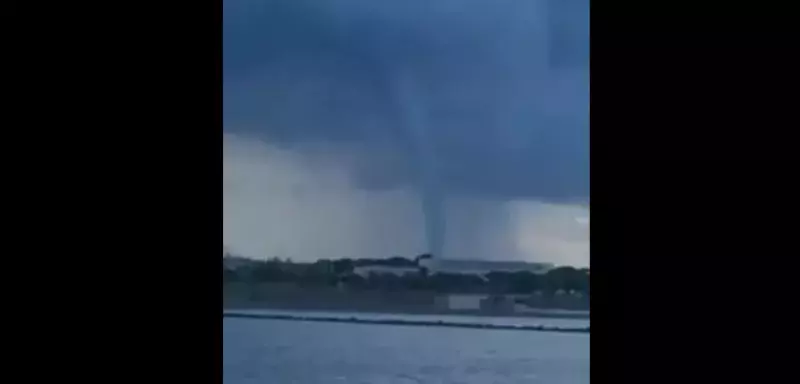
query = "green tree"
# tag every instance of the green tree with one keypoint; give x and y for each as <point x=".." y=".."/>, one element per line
<point x="398" y="261"/>
<point x="499" y="282"/>
<point x="343" y="266"/>
<point x="567" y="279"/>
<point x="270" y="271"/>
<point x="524" y="283"/>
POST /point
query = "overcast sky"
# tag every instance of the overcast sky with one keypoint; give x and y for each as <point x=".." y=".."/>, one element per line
<point x="319" y="160"/>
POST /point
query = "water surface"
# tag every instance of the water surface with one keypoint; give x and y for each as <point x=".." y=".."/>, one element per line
<point x="276" y="351"/>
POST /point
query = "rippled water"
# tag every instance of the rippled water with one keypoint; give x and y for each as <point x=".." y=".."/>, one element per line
<point x="276" y="351"/>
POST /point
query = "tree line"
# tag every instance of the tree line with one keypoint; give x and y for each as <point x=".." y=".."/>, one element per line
<point x="339" y="272"/>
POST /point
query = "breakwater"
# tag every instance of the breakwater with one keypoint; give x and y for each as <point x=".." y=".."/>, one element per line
<point x="406" y="322"/>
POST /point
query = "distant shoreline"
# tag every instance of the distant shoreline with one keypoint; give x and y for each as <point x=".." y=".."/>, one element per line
<point x="405" y="322"/>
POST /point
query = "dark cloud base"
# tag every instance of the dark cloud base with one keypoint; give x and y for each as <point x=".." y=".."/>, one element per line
<point x="504" y="86"/>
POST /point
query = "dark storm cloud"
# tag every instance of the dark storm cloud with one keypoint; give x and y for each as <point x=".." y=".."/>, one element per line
<point x="503" y="84"/>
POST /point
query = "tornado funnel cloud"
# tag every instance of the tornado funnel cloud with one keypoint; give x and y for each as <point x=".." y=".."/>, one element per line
<point x="413" y="121"/>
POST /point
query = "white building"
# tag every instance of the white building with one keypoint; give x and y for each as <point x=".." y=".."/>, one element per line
<point x="482" y="267"/>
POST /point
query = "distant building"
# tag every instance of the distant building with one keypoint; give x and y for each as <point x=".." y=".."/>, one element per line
<point x="480" y="302"/>
<point x="460" y="302"/>
<point x="482" y="267"/>
<point x="454" y="266"/>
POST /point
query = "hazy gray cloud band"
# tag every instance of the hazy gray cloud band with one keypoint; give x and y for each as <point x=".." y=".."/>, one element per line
<point x="301" y="204"/>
